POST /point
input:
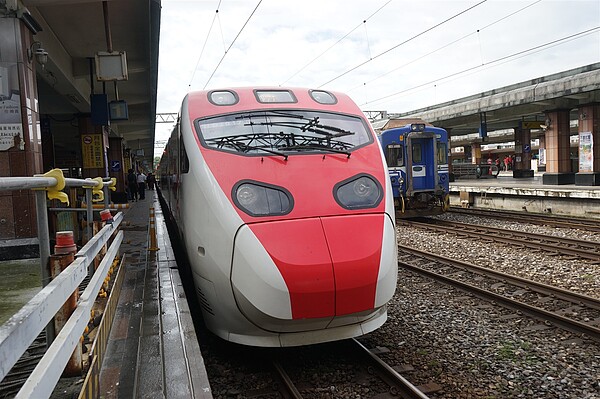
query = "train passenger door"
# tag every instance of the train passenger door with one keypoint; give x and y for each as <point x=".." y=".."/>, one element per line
<point x="423" y="163"/>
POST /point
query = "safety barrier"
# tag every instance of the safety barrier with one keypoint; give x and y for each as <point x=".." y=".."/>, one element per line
<point x="474" y="171"/>
<point x="22" y="328"/>
<point x="152" y="232"/>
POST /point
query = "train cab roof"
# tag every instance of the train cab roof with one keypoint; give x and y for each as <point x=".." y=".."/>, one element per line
<point x="239" y="99"/>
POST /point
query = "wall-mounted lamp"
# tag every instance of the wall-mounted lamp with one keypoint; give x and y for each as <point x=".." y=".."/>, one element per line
<point x="547" y="123"/>
<point x="38" y="51"/>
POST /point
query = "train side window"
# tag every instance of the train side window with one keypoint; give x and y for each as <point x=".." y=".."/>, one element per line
<point x="442" y="153"/>
<point x="184" y="163"/>
<point x="417" y="154"/>
<point x="394" y="155"/>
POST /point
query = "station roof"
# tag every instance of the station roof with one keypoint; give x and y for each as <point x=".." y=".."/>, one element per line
<point x="505" y="107"/>
<point x="72" y="32"/>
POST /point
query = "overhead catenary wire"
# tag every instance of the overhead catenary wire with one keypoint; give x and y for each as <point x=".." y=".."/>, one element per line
<point x="402" y="43"/>
<point x="204" y="45"/>
<point x="336" y="43"/>
<point x="505" y="58"/>
<point x="445" y="46"/>
<point x="231" y="45"/>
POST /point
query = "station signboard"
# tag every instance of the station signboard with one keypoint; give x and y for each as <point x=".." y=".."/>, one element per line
<point x="92" y="151"/>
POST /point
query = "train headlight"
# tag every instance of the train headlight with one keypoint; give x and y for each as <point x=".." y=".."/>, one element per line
<point x="261" y="199"/>
<point x="358" y="192"/>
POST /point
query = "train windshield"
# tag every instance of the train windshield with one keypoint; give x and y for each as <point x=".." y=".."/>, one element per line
<point x="283" y="132"/>
<point x="394" y="155"/>
<point x="442" y="153"/>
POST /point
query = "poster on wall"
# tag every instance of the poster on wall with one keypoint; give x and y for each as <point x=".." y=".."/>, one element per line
<point x="92" y="151"/>
<point x="11" y="125"/>
<point x="586" y="152"/>
<point x="542" y="156"/>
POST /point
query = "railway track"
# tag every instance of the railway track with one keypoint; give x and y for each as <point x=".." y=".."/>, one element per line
<point x="552" y="305"/>
<point x="399" y="387"/>
<point x="545" y="220"/>
<point x="555" y="245"/>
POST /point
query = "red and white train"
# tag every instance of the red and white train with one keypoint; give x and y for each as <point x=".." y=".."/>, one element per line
<point x="283" y="203"/>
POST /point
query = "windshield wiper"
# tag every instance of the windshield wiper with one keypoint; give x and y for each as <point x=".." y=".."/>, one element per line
<point x="238" y="144"/>
<point x="318" y="148"/>
<point x="311" y="126"/>
<point x="279" y="143"/>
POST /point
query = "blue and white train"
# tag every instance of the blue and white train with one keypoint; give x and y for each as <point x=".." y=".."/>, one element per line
<point x="417" y="159"/>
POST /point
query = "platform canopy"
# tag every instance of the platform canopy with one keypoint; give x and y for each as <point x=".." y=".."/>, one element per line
<point x="72" y="32"/>
<point x="521" y="104"/>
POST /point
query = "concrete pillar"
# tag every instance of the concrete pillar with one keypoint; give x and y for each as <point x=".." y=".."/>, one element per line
<point x="20" y="141"/>
<point x="522" y="153"/>
<point x="558" y="160"/>
<point x="476" y="153"/>
<point x="589" y="139"/>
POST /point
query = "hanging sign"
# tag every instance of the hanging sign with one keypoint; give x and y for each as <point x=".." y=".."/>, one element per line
<point x="92" y="151"/>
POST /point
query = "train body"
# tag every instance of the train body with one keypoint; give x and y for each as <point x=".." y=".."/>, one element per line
<point x="282" y="201"/>
<point x="417" y="159"/>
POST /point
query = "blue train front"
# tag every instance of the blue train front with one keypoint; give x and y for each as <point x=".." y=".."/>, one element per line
<point x="417" y="159"/>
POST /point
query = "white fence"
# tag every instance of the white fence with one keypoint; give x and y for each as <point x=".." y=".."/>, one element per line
<point x="22" y="328"/>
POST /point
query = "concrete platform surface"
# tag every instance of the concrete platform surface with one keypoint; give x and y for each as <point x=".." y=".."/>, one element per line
<point x="153" y="350"/>
<point x="532" y="186"/>
<point x="528" y="195"/>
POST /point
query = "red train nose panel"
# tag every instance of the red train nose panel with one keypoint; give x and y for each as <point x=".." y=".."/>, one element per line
<point x="355" y="248"/>
<point x="329" y="265"/>
<point x="300" y="252"/>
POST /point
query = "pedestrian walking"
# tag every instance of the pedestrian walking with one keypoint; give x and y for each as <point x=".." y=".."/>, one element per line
<point x="151" y="180"/>
<point x="132" y="186"/>
<point x="141" y="182"/>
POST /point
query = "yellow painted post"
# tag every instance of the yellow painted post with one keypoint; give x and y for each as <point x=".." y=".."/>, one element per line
<point x="153" y="246"/>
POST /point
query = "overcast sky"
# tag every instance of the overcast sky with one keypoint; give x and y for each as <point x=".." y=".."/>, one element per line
<point x="389" y="55"/>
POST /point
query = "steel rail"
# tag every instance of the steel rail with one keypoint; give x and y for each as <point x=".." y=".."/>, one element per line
<point x="288" y="384"/>
<point x="529" y="285"/>
<point x="398" y="384"/>
<point x="511" y="237"/>
<point x="591" y="245"/>
<point x="526" y="217"/>
<point x="532" y="311"/>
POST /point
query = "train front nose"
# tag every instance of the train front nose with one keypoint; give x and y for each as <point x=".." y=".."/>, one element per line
<point x="311" y="269"/>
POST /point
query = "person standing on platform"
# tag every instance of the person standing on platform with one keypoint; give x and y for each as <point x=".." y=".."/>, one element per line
<point x="151" y="181"/>
<point x="141" y="181"/>
<point x="132" y="186"/>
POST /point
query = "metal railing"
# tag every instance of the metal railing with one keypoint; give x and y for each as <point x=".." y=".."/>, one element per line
<point x="23" y="327"/>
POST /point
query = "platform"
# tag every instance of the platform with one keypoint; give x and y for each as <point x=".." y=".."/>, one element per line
<point x="153" y="350"/>
<point x="527" y="194"/>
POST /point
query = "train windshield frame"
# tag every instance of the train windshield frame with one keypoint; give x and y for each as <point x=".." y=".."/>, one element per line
<point x="442" y="153"/>
<point x="283" y="132"/>
<point x="394" y="155"/>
